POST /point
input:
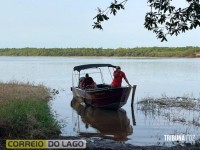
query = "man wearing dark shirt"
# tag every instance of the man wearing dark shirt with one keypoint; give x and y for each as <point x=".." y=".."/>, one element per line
<point x="88" y="82"/>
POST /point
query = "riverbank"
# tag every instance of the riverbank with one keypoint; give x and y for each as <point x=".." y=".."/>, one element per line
<point x="25" y="113"/>
<point x="96" y="52"/>
<point x="108" y="144"/>
<point x="113" y="145"/>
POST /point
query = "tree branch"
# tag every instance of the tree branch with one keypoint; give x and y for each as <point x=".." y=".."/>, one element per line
<point x="102" y="15"/>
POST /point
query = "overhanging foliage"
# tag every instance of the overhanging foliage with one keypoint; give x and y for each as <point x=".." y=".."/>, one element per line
<point x="163" y="18"/>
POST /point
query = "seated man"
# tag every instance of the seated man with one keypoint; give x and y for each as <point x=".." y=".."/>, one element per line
<point x="88" y="82"/>
<point x="80" y="82"/>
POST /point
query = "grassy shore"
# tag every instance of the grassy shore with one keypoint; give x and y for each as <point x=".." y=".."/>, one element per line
<point x="25" y="113"/>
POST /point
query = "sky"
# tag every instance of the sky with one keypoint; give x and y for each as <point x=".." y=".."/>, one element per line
<point x="68" y="24"/>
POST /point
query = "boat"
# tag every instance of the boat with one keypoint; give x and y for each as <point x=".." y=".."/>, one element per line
<point x="108" y="124"/>
<point x="103" y="95"/>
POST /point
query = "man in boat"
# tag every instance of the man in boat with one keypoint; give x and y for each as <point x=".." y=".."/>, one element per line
<point x="118" y="75"/>
<point x="88" y="82"/>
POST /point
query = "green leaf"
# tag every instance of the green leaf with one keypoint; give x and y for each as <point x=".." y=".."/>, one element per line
<point x="99" y="18"/>
<point x="164" y="39"/>
<point x="105" y="17"/>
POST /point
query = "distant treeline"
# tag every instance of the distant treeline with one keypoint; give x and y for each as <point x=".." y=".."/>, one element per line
<point x="119" y="52"/>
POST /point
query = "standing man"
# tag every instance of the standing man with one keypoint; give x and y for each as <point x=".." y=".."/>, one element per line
<point x="118" y="75"/>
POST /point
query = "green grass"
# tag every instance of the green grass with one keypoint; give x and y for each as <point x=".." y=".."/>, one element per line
<point x="26" y="115"/>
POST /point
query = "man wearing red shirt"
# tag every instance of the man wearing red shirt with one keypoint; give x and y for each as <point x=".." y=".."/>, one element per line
<point x="118" y="75"/>
<point x="88" y="82"/>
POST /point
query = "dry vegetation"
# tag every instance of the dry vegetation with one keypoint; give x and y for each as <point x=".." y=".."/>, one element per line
<point x="166" y="102"/>
<point x="15" y="91"/>
<point x="179" y="109"/>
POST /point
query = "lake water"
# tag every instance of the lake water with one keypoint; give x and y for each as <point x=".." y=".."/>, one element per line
<point x="171" y="77"/>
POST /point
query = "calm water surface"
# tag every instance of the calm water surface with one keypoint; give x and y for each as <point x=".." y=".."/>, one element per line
<point x="153" y="77"/>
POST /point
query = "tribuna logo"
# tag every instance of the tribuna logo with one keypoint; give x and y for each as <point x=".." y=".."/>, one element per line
<point x="182" y="137"/>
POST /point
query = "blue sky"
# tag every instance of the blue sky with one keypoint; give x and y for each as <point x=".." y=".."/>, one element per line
<point x="68" y="23"/>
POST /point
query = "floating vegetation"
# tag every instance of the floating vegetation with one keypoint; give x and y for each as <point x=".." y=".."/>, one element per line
<point x="183" y="110"/>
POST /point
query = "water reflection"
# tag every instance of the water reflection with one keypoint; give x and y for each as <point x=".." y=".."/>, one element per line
<point x="108" y="123"/>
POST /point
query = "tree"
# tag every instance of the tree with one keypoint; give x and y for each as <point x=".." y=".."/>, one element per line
<point x="163" y="18"/>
